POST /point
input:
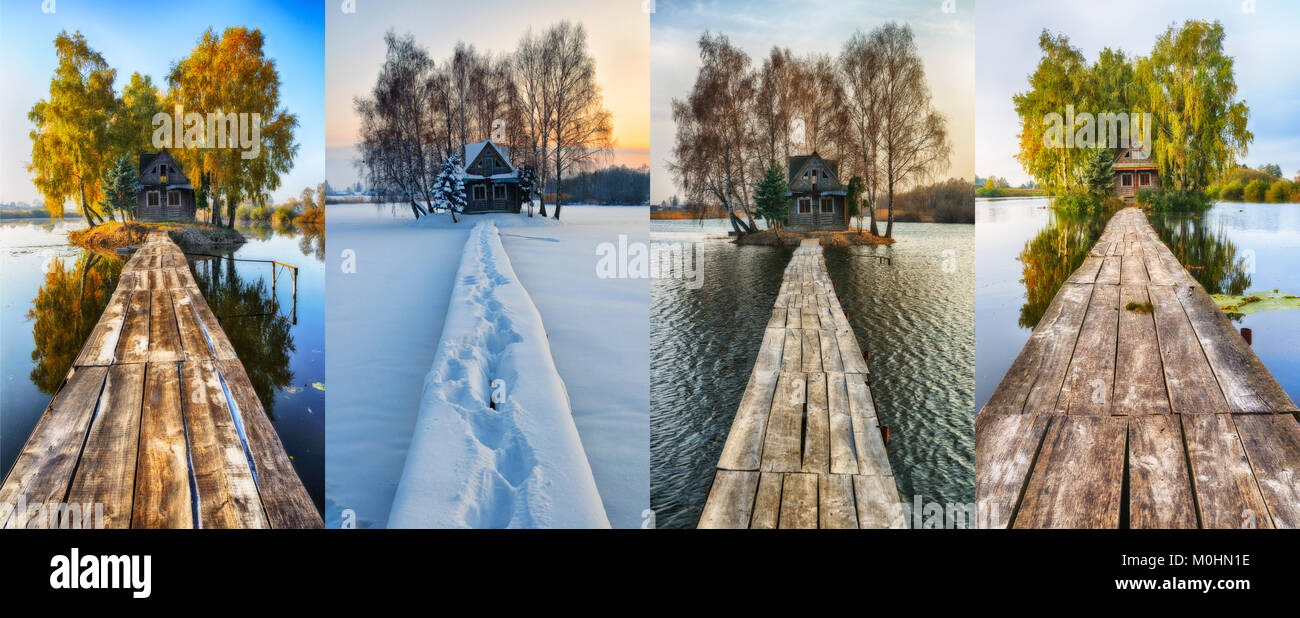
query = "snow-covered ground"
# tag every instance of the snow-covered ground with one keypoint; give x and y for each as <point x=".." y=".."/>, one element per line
<point x="494" y="445"/>
<point x="384" y="322"/>
<point x="600" y="338"/>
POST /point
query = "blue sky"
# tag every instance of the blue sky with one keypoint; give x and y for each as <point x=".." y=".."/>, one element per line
<point x="1264" y="42"/>
<point x="135" y="37"/>
<point x="946" y="41"/>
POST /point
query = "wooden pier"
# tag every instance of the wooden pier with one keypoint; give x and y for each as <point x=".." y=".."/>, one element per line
<point x="157" y="420"/>
<point x="1119" y="413"/>
<point x="805" y="449"/>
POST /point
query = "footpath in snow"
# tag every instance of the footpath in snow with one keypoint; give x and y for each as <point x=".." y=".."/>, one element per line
<point x="495" y="444"/>
<point x="600" y="339"/>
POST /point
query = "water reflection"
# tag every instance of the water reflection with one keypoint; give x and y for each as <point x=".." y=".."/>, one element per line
<point x="1207" y="253"/>
<point x="255" y="322"/>
<point x="1058" y="249"/>
<point x="1048" y="259"/>
<point x="64" y="312"/>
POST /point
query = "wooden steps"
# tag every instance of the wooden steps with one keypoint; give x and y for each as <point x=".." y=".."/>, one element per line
<point x="805" y="448"/>
<point x="1160" y="417"/>
<point x="152" y="420"/>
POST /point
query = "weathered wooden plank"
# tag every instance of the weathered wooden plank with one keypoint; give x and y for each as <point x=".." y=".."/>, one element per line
<point x="162" y="483"/>
<point x="221" y="347"/>
<point x="868" y="443"/>
<point x="106" y="472"/>
<point x="876" y="498"/>
<point x="836" y="505"/>
<point x="1227" y="493"/>
<point x="730" y="500"/>
<point x="1272" y="444"/>
<point x="843" y="458"/>
<point x="1006" y="446"/>
<point x="799" y="501"/>
<point x="767" y="504"/>
<point x="792" y="356"/>
<point x="1133" y="270"/>
<point x="830" y="351"/>
<point x="1110" y="271"/>
<point x="226" y="494"/>
<point x="1077" y="480"/>
<point x="1086" y="272"/>
<point x="133" y="343"/>
<point x="44" y="466"/>
<point x="812" y="351"/>
<point x="102" y="342"/>
<point x="193" y="343"/>
<point x="744" y="443"/>
<point x="850" y="354"/>
<point x="1160" y="489"/>
<point x="816" y="444"/>
<point x="1089" y="381"/>
<point x="1191" y="384"/>
<point x="793" y="316"/>
<point x="285" y="499"/>
<point x="1139" y="377"/>
<point x="784" y="437"/>
<point x="1245" y="382"/>
<point x="1033" y="381"/>
<point x="164" y="339"/>
<point x="778" y="318"/>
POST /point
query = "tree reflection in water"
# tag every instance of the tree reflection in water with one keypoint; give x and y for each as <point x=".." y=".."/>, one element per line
<point x="1060" y="248"/>
<point x="251" y="317"/>
<point x="65" y="311"/>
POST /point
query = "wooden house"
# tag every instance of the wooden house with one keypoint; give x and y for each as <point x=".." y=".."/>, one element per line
<point x="817" y="198"/>
<point x="165" y="193"/>
<point x="1134" y="173"/>
<point x="491" y="182"/>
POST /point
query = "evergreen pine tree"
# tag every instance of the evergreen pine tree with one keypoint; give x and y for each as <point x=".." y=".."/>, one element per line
<point x="770" y="201"/>
<point x="449" y="187"/>
<point x="120" y="188"/>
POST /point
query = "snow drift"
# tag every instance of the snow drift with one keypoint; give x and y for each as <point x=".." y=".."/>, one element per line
<point x="518" y="463"/>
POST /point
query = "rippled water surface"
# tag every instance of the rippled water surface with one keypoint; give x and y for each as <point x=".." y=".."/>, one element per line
<point x="915" y="316"/>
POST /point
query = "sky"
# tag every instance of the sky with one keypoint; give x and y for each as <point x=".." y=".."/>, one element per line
<point x="294" y="38"/>
<point x="618" y="37"/>
<point x="944" y="33"/>
<point x="1261" y="36"/>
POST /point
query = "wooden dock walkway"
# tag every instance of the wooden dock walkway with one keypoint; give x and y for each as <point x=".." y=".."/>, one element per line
<point x="157" y="420"/>
<point x="1159" y="417"/>
<point x="805" y="448"/>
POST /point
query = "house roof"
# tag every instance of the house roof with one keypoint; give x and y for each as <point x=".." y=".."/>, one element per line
<point x="148" y="159"/>
<point x="472" y="152"/>
<point x="1123" y="162"/>
<point x="795" y="165"/>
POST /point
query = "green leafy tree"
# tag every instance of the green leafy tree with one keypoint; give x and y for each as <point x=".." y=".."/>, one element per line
<point x="770" y="201"/>
<point x="1199" y="127"/>
<point x="1272" y="169"/>
<point x="121" y="188"/>
<point x="230" y="74"/>
<point x="1061" y="78"/>
<point x="72" y="137"/>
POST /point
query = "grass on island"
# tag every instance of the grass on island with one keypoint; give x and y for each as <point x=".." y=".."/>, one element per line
<point x="114" y="235"/>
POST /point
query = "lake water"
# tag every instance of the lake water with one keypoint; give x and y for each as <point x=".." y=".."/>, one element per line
<point x="915" y="317"/>
<point x="54" y="292"/>
<point x="1024" y="251"/>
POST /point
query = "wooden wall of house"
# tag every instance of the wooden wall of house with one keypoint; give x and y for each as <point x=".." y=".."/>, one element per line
<point x="1130" y="190"/>
<point x="185" y="211"/>
<point x="816" y="219"/>
<point x="489" y="203"/>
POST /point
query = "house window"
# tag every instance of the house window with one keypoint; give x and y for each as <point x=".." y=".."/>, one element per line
<point x="1126" y="180"/>
<point x="480" y="192"/>
<point x="173" y="198"/>
<point x="827" y="204"/>
<point x="498" y="192"/>
<point x="152" y="200"/>
<point x="805" y="206"/>
<point x="1144" y="179"/>
<point x="824" y="175"/>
